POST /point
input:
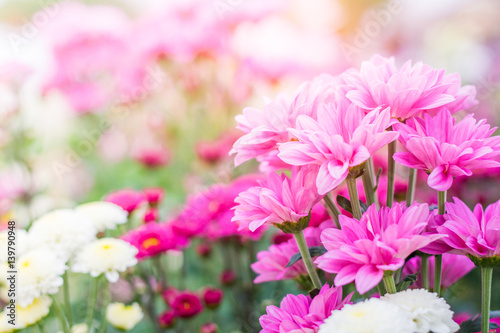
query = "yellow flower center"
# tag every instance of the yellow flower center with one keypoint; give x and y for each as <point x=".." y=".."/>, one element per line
<point x="187" y="306"/>
<point x="150" y="242"/>
<point x="106" y="247"/>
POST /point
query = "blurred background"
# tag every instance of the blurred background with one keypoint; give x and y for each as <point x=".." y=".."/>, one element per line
<point x="102" y="95"/>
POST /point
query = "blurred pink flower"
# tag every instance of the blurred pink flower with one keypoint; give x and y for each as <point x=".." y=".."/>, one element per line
<point x="300" y="313"/>
<point x="271" y="264"/>
<point x="167" y="319"/>
<point x="153" y="157"/>
<point x="446" y="149"/>
<point x="363" y="250"/>
<point x="281" y="199"/>
<point x="208" y="213"/>
<point x="217" y="150"/>
<point x="475" y="233"/>
<point x="209" y="328"/>
<point x="127" y="199"/>
<point x="407" y="91"/>
<point x="151" y="215"/>
<point x="154" y="195"/>
<point x="212" y="297"/>
<point x="94" y="63"/>
<point x="152" y="239"/>
<point x="454" y="268"/>
<point x="342" y="137"/>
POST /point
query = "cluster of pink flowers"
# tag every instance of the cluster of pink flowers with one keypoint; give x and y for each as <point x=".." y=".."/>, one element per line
<point x="323" y="136"/>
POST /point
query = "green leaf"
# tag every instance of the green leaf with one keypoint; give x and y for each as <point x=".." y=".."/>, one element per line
<point x="314" y="251"/>
<point x="346" y="204"/>
<point x="406" y="282"/>
<point x="474" y="324"/>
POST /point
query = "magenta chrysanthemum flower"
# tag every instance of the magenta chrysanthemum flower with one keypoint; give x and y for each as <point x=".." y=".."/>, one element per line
<point x="407" y="91"/>
<point x="300" y="313"/>
<point x="280" y="200"/>
<point x="154" y="238"/>
<point x="267" y="128"/>
<point x="475" y="233"/>
<point x="271" y="264"/>
<point x="454" y="268"/>
<point x="342" y="137"/>
<point x="446" y="149"/>
<point x="363" y="250"/>
<point x="127" y="199"/>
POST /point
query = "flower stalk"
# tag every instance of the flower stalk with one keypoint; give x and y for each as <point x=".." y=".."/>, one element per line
<point x="412" y="182"/>
<point x="104" y="323"/>
<point x="333" y="210"/>
<point x="439" y="258"/>
<point x="92" y="302"/>
<point x="60" y="315"/>
<point x="306" y="257"/>
<point x="353" y="195"/>
<point x="389" y="283"/>
<point x="67" y="301"/>
<point x="486" y="278"/>
<point x="425" y="270"/>
<point x="391" y="172"/>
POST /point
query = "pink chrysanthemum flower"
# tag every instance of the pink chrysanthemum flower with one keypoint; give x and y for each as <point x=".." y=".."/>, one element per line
<point x="300" y="313"/>
<point x="271" y="264"/>
<point x="281" y="200"/>
<point x="407" y="91"/>
<point x="446" y="149"/>
<point x="208" y="213"/>
<point x="474" y="233"/>
<point x="341" y="138"/>
<point x="266" y="129"/>
<point x="363" y="250"/>
<point x="127" y="199"/>
<point x="154" y="238"/>
<point x="454" y="268"/>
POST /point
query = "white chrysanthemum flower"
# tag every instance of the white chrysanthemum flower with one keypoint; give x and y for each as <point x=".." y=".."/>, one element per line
<point x="39" y="272"/>
<point x="21" y="243"/>
<point x="63" y="230"/>
<point x="103" y="215"/>
<point x="78" y="328"/>
<point x="106" y="255"/>
<point x="426" y="309"/>
<point x="123" y="316"/>
<point x="370" y="316"/>
<point x="32" y="313"/>
<point x="5" y="327"/>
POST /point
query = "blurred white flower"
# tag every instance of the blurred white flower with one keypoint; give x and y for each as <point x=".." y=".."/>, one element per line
<point x="370" y="316"/>
<point x="426" y="309"/>
<point x="107" y="255"/>
<point x="63" y="231"/>
<point x="32" y="313"/>
<point x="39" y="272"/>
<point x="103" y="215"/>
<point x="123" y="316"/>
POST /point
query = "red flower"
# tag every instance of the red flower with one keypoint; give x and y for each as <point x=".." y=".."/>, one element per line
<point x="167" y="319"/>
<point x="228" y="277"/>
<point x="212" y="297"/>
<point x="187" y="304"/>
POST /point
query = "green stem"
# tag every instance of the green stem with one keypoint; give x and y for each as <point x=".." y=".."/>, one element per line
<point x="381" y="289"/>
<point x="438" y="266"/>
<point x="425" y="270"/>
<point x="391" y="171"/>
<point x="412" y="182"/>
<point x="368" y="185"/>
<point x="486" y="278"/>
<point x="353" y="196"/>
<point x="104" y="323"/>
<point x="161" y="271"/>
<point x="41" y="327"/>
<point x="67" y="301"/>
<point x="333" y="210"/>
<point x="306" y="257"/>
<point x="92" y="301"/>
<point x="60" y="315"/>
<point x="441" y="202"/>
<point x="389" y="283"/>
